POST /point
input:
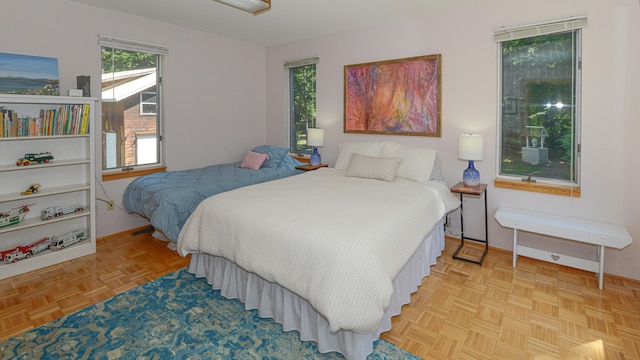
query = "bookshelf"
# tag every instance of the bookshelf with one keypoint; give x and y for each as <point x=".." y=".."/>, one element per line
<point x="63" y="126"/>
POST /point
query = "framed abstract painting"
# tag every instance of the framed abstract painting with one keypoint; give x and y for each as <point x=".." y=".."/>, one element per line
<point x="394" y="97"/>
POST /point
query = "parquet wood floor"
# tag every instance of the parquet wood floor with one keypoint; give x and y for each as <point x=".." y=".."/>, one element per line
<point x="462" y="311"/>
<point x="536" y="311"/>
<point x="121" y="262"/>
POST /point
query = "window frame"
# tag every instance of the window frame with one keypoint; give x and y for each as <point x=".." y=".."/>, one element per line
<point x="557" y="186"/>
<point x="160" y="51"/>
<point x="289" y="66"/>
<point x="142" y="103"/>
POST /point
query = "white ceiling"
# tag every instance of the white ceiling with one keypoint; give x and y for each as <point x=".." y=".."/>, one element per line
<point x="288" y="20"/>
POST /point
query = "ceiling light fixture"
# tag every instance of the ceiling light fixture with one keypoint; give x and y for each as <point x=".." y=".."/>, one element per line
<point x="254" y="7"/>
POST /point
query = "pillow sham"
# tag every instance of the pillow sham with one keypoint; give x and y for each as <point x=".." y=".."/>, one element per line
<point x="253" y="160"/>
<point x="370" y="167"/>
<point x="346" y="149"/>
<point x="417" y="163"/>
<point x="389" y="148"/>
<point x="276" y="154"/>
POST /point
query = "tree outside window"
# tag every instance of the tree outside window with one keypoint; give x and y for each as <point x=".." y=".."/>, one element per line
<point x="540" y="97"/>
<point x="302" y="84"/>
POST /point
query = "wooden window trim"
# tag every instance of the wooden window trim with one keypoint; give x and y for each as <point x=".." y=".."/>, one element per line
<point x="551" y="189"/>
<point x="132" y="173"/>
<point x="301" y="158"/>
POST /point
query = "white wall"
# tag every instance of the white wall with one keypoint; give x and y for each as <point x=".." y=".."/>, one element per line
<point x="214" y="86"/>
<point x="469" y="73"/>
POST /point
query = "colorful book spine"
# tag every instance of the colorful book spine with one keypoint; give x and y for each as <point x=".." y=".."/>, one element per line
<point x="63" y="120"/>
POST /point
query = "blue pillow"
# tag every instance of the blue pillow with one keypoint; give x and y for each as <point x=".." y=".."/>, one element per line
<point x="276" y="154"/>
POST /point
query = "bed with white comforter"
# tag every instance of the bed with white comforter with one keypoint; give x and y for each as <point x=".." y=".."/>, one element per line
<point x="337" y="243"/>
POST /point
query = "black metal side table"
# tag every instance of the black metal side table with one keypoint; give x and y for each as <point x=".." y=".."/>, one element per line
<point x="480" y="190"/>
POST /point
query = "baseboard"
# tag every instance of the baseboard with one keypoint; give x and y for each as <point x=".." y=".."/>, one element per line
<point x="134" y="231"/>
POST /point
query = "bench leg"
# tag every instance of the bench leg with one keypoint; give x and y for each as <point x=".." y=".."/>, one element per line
<point x="515" y="246"/>
<point x="601" y="266"/>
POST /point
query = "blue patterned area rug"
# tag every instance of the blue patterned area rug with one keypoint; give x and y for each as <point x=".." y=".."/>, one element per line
<point x="174" y="317"/>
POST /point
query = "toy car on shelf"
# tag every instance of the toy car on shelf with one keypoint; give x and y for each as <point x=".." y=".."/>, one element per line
<point x="15" y="256"/>
<point x="25" y="251"/>
<point x="43" y="157"/>
<point x="5" y="252"/>
<point x="14" y="216"/>
<point x="55" y="211"/>
<point x="59" y="242"/>
<point x="31" y="190"/>
<point x="37" y="246"/>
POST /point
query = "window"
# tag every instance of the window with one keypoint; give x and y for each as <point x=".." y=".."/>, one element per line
<point x="131" y="104"/>
<point x="146" y="148"/>
<point x="302" y="102"/>
<point x="148" y="103"/>
<point x="540" y="101"/>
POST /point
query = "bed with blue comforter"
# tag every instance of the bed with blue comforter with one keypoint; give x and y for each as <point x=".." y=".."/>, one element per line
<point x="167" y="199"/>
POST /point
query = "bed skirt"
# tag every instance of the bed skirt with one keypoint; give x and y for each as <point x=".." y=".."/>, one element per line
<point x="295" y="313"/>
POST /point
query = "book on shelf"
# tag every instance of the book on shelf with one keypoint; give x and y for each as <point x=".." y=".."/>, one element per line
<point x="72" y="119"/>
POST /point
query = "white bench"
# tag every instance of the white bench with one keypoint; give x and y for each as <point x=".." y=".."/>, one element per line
<point x="585" y="231"/>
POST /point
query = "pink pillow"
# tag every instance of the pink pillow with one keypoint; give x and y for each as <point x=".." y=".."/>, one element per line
<point x="253" y="160"/>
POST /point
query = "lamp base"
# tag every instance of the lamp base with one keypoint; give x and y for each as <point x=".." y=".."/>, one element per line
<point x="471" y="176"/>
<point x="314" y="159"/>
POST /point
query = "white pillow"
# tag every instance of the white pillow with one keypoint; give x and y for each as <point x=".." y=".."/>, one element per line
<point x="370" y="167"/>
<point x="417" y="163"/>
<point x="389" y="148"/>
<point x="364" y="148"/>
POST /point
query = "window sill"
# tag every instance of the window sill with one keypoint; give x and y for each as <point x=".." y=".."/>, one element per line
<point x="301" y="158"/>
<point x="537" y="187"/>
<point x="132" y="173"/>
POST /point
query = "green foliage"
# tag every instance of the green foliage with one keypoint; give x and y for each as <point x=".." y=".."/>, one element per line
<point x="303" y="98"/>
<point x="565" y="144"/>
<point x="114" y="60"/>
<point x="540" y="73"/>
<point x="558" y="122"/>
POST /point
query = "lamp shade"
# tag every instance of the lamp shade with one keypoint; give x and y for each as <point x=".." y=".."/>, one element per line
<point x="470" y="147"/>
<point x="315" y="137"/>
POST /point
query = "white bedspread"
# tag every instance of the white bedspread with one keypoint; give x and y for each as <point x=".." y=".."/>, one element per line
<point x="336" y="241"/>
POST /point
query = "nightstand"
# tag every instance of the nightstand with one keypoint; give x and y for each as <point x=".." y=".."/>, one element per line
<point x="309" y="167"/>
<point x="480" y="191"/>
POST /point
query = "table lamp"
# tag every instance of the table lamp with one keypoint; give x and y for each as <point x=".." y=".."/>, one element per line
<point x="315" y="138"/>
<point x="470" y="148"/>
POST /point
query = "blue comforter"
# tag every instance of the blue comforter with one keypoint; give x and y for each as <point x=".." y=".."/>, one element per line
<point x="167" y="199"/>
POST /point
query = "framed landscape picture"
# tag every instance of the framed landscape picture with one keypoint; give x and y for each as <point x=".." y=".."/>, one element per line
<point x="28" y="75"/>
<point x="394" y="97"/>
